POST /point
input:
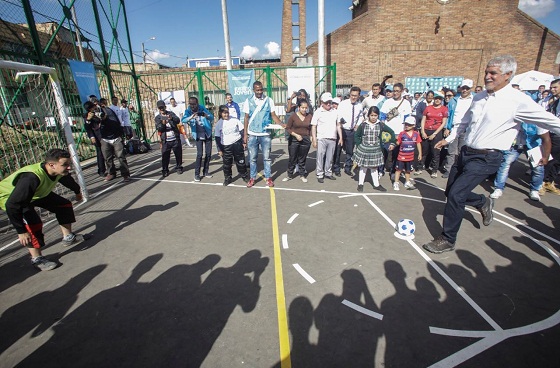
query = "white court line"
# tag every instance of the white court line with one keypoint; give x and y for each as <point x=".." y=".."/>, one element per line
<point x="294" y="216"/>
<point x="362" y="310"/>
<point x="452" y="283"/>
<point x="285" y="241"/>
<point x="303" y="273"/>
<point x="316" y="203"/>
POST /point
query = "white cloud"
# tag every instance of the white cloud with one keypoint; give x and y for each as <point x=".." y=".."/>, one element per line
<point x="154" y="56"/>
<point x="296" y="50"/>
<point x="273" y="50"/>
<point x="249" y="52"/>
<point x="537" y="8"/>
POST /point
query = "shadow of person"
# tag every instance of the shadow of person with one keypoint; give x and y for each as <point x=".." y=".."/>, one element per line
<point x="211" y="305"/>
<point x="407" y="316"/>
<point x="551" y="212"/>
<point x="43" y="310"/>
<point x="346" y="335"/>
<point x="116" y="221"/>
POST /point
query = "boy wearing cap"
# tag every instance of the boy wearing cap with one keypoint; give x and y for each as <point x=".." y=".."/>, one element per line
<point x="408" y="140"/>
<point x="324" y="130"/>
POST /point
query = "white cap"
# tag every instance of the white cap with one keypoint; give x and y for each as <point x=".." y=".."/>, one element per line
<point x="467" y="82"/>
<point x="326" y="97"/>
<point x="410" y="120"/>
<point x="336" y="100"/>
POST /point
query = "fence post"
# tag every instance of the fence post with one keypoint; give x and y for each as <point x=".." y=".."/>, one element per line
<point x="102" y="45"/>
<point x="33" y="30"/>
<point x="268" y="81"/>
<point x="199" y="73"/>
<point x="333" y="79"/>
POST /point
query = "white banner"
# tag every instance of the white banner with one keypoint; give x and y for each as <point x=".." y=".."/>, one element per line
<point x="299" y="78"/>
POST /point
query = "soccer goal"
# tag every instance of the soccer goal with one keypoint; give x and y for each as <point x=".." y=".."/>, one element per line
<point x="43" y="107"/>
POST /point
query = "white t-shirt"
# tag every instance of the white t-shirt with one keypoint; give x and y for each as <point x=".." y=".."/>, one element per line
<point x="177" y="109"/>
<point x="125" y="116"/>
<point x="325" y="120"/>
<point x="228" y="130"/>
<point x="397" y="122"/>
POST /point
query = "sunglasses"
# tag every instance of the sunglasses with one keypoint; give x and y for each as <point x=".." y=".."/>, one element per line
<point x="448" y="95"/>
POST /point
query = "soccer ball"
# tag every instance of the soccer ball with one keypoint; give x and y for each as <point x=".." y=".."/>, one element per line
<point x="406" y="227"/>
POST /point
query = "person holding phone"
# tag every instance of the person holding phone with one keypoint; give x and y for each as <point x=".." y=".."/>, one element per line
<point x="167" y="123"/>
<point x="200" y="121"/>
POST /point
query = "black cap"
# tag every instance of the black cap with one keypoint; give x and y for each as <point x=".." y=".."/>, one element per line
<point x="160" y="103"/>
<point x="123" y="101"/>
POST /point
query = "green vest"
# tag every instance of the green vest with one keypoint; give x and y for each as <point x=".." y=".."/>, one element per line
<point x="45" y="187"/>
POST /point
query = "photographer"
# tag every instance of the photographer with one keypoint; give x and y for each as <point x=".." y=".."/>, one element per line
<point x="104" y="127"/>
<point x="200" y="121"/>
<point x="92" y="118"/>
<point x="167" y="124"/>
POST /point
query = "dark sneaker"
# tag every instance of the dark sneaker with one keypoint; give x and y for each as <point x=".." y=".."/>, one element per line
<point x="445" y="175"/>
<point x="330" y="177"/>
<point x="486" y="211"/>
<point x="360" y="188"/>
<point x="74" y="239"/>
<point x="245" y="178"/>
<point x="251" y="183"/>
<point x="207" y="176"/>
<point x="320" y="180"/>
<point x="380" y="188"/>
<point x="439" y="245"/>
<point x="197" y="178"/>
<point x="43" y="264"/>
<point x="227" y="181"/>
<point x="179" y="170"/>
<point x="164" y="173"/>
<point x="337" y="173"/>
<point x="126" y="179"/>
<point x="348" y="172"/>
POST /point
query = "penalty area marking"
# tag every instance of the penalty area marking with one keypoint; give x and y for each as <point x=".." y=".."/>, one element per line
<point x="302" y="272"/>
<point x="294" y="216"/>
<point x="315" y="204"/>
<point x="285" y="241"/>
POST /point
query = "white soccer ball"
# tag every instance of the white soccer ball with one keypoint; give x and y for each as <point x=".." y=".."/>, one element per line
<point x="406" y="227"/>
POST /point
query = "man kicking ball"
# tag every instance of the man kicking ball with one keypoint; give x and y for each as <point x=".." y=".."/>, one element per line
<point x="30" y="187"/>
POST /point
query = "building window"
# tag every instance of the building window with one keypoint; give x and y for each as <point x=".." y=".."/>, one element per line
<point x="202" y="64"/>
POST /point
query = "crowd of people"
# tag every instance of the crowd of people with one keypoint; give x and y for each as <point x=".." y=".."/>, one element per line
<point x="388" y="130"/>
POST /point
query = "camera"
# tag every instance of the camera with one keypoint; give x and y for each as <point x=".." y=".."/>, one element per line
<point x="99" y="113"/>
<point x="298" y="93"/>
<point x="389" y="76"/>
<point x="200" y="113"/>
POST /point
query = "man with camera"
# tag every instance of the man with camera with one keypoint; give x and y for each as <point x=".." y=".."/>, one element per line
<point x="167" y="124"/>
<point x="104" y="128"/>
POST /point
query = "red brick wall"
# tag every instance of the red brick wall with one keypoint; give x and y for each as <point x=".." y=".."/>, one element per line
<point x="399" y="37"/>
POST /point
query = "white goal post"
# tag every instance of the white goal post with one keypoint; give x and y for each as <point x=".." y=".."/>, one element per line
<point x="27" y="69"/>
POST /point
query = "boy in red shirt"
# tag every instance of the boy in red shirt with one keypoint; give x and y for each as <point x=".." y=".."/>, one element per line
<point x="406" y="140"/>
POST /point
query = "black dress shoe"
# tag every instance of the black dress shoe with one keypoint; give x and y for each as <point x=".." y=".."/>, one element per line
<point x="360" y="188"/>
<point x="164" y="173"/>
<point x="486" y="211"/>
<point x="348" y="172"/>
<point x="320" y="180"/>
<point x="380" y="188"/>
<point x="337" y="173"/>
<point x="330" y="177"/>
<point x="179" y="170"/>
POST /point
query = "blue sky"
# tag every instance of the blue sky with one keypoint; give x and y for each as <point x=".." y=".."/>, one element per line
<point x="193" y="28"/>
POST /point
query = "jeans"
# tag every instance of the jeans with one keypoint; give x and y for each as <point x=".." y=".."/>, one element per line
<point x="206" y="147"/>
<point x="537" y="173"/>
<point x="467" y="173"/>
<point x="264" y="141"/>
<point x="453" y="150"/>
<point x="101" y="170"/>
<point x="166" y="148"/>
<point x="325" y="153"/>
<point x="298" y="151"/>
<point x="348" y="146"/>
<point x="552" y="169"/>
<point x="112" y="150"/>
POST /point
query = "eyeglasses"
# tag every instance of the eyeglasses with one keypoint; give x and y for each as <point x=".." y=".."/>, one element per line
<point x="448" y="95"/>
<point x="397" y="90"/>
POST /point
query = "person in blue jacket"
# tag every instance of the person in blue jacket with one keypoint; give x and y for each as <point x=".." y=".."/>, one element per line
<point x="200" y="121"/>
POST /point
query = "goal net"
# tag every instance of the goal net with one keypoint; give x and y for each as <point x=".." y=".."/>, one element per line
<point x="34" y="118"/>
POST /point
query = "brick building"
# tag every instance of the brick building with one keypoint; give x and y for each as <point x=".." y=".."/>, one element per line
<point x="435" y="38"/>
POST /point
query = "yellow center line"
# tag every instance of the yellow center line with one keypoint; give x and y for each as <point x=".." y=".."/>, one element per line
<point x="284" y="339"/>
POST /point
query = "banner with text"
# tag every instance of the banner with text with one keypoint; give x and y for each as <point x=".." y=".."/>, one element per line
<point x="241" y="84"/>
<point x="86" y="80"/>
<point x="301" y="78"/>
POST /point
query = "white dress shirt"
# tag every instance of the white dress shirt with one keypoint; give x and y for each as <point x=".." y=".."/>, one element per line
<point x="346" y="110"/>
<point x="494" y="119"/>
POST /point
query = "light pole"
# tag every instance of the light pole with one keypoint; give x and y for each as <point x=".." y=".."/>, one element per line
<point x="144" y="52"/>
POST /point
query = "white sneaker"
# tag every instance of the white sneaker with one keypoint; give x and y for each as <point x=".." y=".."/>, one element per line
<point x="498" y="193"/>
<point x="396" y="186"/>
<point x="408" y="185"/>
<point x="287" y="178"/>
<point x="534" y="195"/>
<point x="304" y="179"/>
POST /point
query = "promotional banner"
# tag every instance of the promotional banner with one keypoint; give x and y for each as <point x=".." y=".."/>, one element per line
<point x="241" y="84"/>
<point x="86" y="80"/>
<point x="299" y="78"/>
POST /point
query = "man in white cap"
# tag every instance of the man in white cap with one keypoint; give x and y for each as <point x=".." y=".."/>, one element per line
<point x="458" y="106"/>
<point x="324" y="130"/>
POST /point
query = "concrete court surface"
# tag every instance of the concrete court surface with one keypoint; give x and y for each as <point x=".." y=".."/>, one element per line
<point x="184" y="274"/>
